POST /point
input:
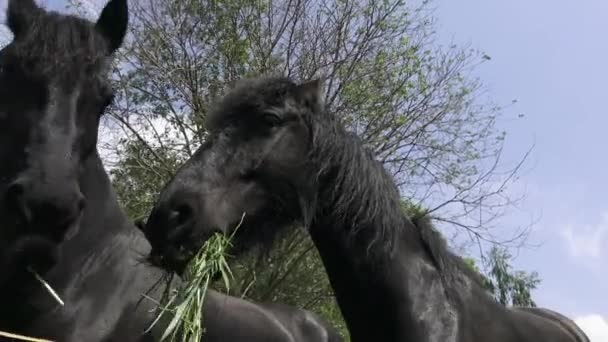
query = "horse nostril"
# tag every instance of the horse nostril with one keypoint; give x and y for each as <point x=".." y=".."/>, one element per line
<point x="15" y="200"/>
<point x="43" y="209"/>
<point x="179" y="222"/>
<point x="180" y="215"/>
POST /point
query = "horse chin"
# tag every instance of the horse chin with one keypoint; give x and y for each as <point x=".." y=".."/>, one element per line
<point x="73" y="229"/>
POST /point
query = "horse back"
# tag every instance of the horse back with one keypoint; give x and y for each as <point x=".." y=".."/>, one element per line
<point x="567" y="325"/>
<point x="547" y="323"/>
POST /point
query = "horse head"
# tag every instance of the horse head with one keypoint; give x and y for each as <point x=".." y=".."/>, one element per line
<point x="54" y="87"/>
<point x="253" y="167"/>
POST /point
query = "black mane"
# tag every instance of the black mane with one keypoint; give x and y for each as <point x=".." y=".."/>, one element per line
<point x="362" y="177"/>
<point x="364" y="196"/>
<point x="451" y="266"/>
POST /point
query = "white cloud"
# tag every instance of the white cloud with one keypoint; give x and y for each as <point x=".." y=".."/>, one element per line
<point x="595" y="326"/>
<point x="587" y="241"/>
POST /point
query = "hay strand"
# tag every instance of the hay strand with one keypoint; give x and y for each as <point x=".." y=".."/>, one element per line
<point x="22" y="338"/>
<point x="47" y="287"/>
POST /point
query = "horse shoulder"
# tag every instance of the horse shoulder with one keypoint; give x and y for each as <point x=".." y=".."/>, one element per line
<point x="222" y="315"/>
<point x="307" y="325"/>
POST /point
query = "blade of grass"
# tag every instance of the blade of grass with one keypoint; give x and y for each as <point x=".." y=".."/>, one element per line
<point x="47" y="287"/>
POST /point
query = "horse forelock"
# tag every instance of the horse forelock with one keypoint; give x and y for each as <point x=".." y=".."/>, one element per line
<point x="57" y="44"/>
<point x="247" y="96"/>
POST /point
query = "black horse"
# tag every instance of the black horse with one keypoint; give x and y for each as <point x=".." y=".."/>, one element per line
<point x="59" y="216"/>
<point x="276" y="155"/>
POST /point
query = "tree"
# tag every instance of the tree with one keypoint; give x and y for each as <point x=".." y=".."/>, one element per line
<point x="507" y="286"/>
<point x="414" y="103"/>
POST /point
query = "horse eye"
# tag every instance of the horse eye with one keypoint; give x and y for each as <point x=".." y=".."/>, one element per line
<point x="272" y="119"/>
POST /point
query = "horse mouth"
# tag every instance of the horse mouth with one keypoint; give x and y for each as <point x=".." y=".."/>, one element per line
<point x="174" y="256"/>
<point x="171" y="258"/>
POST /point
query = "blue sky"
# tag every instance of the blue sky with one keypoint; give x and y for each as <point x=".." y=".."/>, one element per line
<point x="552" y="57"/>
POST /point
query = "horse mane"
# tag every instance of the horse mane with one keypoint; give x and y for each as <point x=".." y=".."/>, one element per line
<point x="360" y="193"/>
<point x="63" y="44"/>
<point x="451" y="266"/>
<point x="366" y="197"/>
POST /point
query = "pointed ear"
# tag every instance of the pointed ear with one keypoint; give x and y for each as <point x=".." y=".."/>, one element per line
<point x="20" y="15"/>
<point x="113" y="23"/>
<point x="311" y="93"/>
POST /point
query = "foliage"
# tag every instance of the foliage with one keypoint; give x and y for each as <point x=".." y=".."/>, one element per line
<point x="137" y="183"/>
<point x="414" y="103"/>
<point x="290" y="273"/>
<point x="508" y="287"/>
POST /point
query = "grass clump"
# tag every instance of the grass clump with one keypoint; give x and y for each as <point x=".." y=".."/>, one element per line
<point x="186" y="324"/>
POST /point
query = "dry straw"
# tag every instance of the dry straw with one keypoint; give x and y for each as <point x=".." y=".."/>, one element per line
<point x="22" y="338"/>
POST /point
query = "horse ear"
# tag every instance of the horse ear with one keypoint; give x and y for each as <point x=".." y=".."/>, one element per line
<point x="20" y="15"/>
<point x="311" y="93"/>
<point x="113" y="23"/>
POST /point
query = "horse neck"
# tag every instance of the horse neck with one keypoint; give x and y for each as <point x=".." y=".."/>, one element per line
<point x="382" y="297"/>
<point x="102" y="204"/>
<point x="105" y="231"/>
<point x="386" y="284"/>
